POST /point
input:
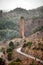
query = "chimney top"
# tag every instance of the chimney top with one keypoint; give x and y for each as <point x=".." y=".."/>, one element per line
<point x="22" y="17"/>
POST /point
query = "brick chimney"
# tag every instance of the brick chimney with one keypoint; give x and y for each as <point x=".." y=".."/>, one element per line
<point x="22" y="27"/>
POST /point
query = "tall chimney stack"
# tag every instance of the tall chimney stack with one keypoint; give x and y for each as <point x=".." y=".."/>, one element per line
<point x="22" y="27"/>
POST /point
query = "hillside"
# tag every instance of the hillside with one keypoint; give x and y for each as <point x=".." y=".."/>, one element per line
<point x="33" y="45"/>
<point x="9" y="22"/>
<point x="35" y="36"/>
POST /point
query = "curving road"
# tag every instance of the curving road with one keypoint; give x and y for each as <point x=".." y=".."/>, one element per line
<point x="29" y="56"/>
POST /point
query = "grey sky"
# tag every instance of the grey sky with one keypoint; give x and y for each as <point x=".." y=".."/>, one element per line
<point x="27" y="4"/>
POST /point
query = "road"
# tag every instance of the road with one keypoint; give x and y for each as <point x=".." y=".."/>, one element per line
<point x="29" y="56"/>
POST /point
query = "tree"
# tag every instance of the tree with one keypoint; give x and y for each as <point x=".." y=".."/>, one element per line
<point x="11" y="44"/>
<point x="2" y="61"/>
<point x="9" y="50"/>
<point x="9" y="56"/>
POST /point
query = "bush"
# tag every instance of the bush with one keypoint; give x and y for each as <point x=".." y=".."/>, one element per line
<point x="27" y="44"/>
<point x="17" y="43"/>
<point x="9" y="56"/>
<point x="11" y="63"/>
<point x="40" y="46"/>
<point x="3" y="50"/>
<point x="24" y="40"/>
<point x="9" y="50"/>
<point x="11" y="44"/>
<point x="2" y="61"/>
<point x="15" y="63"/>
<point x="24" y="45"/>
<point x="32" y="63"/>
<point x="17" y="60"/>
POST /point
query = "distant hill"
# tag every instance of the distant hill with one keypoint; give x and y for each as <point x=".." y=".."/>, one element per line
<point x="9" y="22"/>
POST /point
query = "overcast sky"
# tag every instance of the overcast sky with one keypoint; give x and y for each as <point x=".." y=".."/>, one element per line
<point x="26" y="4"/>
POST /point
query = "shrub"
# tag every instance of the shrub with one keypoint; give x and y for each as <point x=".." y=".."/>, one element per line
<point x="29" y="44"/>
<point x="11" y="44"/>
<point x="32" y="63"/>
<point x="9" y="56"/>
<point x="24" y="45"/>
<point x="9" y="50"/>
<point x="40" y="46"/>
<point x="17" y="60"/>
<point x="15" y="63"/>
<point x="3" y="50"/>
<point x="2" y="61"/>
<point x="24" y="40"/>
<point x="11" y="63"/>
<point x="17" y="43"/>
